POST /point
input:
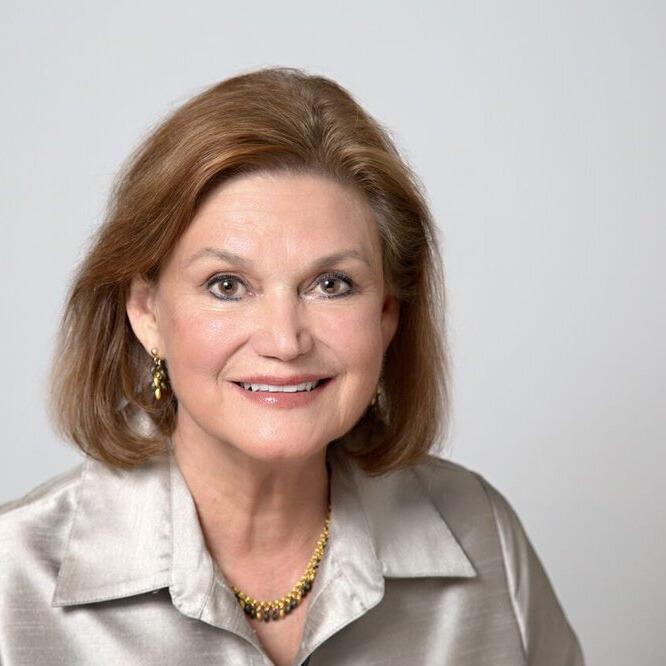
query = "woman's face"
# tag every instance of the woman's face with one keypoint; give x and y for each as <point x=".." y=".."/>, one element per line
<point x="279" y="308"/>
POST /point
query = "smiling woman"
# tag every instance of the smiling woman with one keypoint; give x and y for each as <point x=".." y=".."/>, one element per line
<point x="253" y="360"/>
<point x="289" y="313"/>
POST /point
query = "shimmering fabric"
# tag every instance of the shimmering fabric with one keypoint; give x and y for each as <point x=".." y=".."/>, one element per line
<point x="428" y="565"/>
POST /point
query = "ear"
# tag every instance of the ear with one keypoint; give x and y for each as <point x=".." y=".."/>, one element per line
<point x="141" y="312"/>
<point x="390" y="318"/>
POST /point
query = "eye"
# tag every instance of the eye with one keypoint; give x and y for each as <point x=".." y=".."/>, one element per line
<point x="331" y="279"/>
<point x="227" y="287"/>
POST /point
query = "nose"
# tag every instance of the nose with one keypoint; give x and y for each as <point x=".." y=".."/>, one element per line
<point x="281" y="330"/>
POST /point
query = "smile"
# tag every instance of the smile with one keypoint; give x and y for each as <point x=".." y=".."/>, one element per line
<point x="287" y="388"/>
<point x="285" y="396"/>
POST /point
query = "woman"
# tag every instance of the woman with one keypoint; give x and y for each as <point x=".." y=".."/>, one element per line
<point x="252" y="361"/>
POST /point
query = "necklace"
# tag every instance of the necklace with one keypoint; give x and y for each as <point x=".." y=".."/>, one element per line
<point x="280" y="608"/>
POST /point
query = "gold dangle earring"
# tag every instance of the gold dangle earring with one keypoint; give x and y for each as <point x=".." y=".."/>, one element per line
<point x="158" y="374"/>
<point x="375" y="398"/>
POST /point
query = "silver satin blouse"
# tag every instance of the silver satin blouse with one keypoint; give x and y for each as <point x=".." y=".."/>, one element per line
<point x="428" y="565"/>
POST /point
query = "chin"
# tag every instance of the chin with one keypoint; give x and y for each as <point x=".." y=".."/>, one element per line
<point x="284" y="449"/>
<point x="279" y="454"/>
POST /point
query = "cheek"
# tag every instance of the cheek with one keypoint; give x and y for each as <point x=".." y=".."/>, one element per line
<point x="200" y="342"/>
<point x="355" y="335"/>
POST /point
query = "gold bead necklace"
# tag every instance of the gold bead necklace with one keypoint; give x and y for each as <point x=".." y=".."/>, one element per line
<point x="280" y="608"/>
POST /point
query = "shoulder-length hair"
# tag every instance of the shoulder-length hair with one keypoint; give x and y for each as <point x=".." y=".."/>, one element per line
<point x="270" y="119"/>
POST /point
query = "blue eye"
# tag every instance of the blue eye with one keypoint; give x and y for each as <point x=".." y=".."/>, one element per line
<point x="228" y="284"/>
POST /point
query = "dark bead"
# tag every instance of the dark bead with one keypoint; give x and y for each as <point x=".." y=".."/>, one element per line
<point x="267" y="616"/>
<point x="275" y="614"/>
<point x="307" y="585"/>
<point x="248" y="609"/>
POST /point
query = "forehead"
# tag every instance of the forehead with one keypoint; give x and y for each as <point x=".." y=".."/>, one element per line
<point x="283" y="213"/>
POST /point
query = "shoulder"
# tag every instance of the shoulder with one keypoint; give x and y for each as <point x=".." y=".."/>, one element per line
<point x="438" y="504"/>
<point x="462" y="493"/>
<point x="44" y="496"/>
<point x="492" y="532"/>
<point x="33" y="528"/>
<point x="482" y="516"/>
<point x="441" y="474"/>
<point x="465" y="495"/>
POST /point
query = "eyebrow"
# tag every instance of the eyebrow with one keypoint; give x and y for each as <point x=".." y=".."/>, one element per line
<point x="239" y="260"/>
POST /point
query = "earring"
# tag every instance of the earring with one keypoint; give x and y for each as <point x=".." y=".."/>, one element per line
<point x="158" y="374"/>
<point x="375" y="398"/>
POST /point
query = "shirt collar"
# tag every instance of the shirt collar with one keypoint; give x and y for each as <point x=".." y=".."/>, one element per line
<point x="409" y="534"/>
<point x="137" y="530"/>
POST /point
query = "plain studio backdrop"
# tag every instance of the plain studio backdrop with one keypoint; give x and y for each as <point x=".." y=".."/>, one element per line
<point x="538" y="131"/>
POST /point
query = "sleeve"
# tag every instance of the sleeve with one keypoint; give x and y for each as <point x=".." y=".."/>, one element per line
<point x="548" y="638"/>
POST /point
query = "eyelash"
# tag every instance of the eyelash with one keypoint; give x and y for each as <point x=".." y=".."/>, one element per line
<point x="333" y="275"/>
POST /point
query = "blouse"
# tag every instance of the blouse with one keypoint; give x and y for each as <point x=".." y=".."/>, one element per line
<point x="424" y="565"/>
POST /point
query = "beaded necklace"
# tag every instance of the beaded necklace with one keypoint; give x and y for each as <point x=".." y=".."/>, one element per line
<point x="280" y="608"/>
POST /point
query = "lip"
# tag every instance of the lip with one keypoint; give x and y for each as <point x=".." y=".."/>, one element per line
<point x="279" y="381"/>
<point x="284" y="400"/>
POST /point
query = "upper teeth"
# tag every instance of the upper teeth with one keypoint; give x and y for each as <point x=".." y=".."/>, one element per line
<point x="288" y="388"/>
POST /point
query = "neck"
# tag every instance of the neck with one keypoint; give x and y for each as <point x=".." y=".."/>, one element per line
<point x="254" y="513"/>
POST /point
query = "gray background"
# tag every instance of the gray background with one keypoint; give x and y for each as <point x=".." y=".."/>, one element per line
<point x="538" y="131"/>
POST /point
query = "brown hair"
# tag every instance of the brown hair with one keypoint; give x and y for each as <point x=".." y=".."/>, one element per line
<point x="269" y="119"/>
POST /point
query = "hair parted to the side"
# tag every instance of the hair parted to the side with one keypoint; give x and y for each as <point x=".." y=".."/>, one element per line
<point x="271" y="119"/>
